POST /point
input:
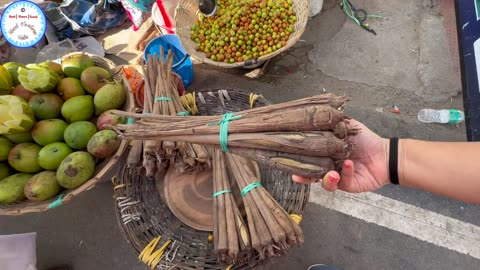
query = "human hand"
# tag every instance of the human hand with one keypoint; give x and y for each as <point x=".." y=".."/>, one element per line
<point x="365" y="170"/>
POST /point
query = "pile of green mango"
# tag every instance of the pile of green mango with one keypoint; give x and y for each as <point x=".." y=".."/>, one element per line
<point x="55" y="125"/>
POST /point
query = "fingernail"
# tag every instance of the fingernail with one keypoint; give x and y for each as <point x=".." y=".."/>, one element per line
<point x="333" y="179"/>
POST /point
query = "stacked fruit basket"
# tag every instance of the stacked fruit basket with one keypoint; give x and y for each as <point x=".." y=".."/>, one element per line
<point x="55" y="137"/>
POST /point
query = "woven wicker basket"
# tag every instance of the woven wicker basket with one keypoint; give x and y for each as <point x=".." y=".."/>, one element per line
<point x="143" y="215"/>
<point x="102" y="168"/>
<point x="186" y="16"/>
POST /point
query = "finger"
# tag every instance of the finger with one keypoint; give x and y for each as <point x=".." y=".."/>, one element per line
<point x="303" y="180"/>
<point x="330" y="181"/>
<point x="348" y="172"/>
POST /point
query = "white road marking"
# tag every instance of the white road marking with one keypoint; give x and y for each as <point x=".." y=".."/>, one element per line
<point x="414" y="221"/>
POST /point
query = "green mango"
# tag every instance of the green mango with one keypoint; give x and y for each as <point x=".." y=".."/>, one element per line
<point x="5" y="171"/>
<point x="76" y="169"/>
<point x="11" y="188"/>
<point x="42" y="186"/>
<point x="12" y="68"/>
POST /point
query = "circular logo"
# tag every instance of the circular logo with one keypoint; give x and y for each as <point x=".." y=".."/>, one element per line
<point x="23" y="24"/>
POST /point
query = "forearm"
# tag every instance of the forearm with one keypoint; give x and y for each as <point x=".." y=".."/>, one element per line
<point x="445" y="168"/>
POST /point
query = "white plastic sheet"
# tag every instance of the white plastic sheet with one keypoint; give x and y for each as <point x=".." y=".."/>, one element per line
<point x="18" y="251"/>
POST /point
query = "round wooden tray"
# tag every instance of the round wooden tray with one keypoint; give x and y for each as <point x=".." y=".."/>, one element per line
<point x="189" y="196"/>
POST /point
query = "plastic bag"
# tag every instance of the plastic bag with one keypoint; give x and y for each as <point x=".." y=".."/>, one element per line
<point x="74" y="19"/>
<point x="138" y="11"/>
<point x="55" y="50"/>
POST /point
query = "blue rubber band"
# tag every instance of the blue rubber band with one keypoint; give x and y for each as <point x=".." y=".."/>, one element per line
<point x="163" y="99"/>
<point x="56" y="203"/>
<point x="250" y="188"/>
<point x="216" y="194"/>
<point x="224" y="129"/>
<point x="130" y="120"/>
<point x="185" y="113"/>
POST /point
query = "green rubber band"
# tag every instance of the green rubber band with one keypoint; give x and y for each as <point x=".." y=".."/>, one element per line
<point x="216" y="194"/>
<point x="163" y="99"/>
<point x="56" y="203"/>
<point x="130" y="120"/>
<point x="250" y="187"/>
<point x="185" y="113"/>
<point x="224" y="129"/>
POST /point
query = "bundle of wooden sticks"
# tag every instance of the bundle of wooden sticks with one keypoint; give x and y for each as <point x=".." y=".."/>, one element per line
<point x="305" y="137"/>
<point x="162" y="99"/>
<point x="268" y="229"/>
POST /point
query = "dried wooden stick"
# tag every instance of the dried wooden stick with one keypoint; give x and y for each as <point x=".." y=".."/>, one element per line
<point x="134" y="158"/>
<point x="135" y="155"/>
<point x="220" y="225"/>
<point x="296" y="228"/>
<point x="164" y="70"/>
<point x="197" y="152"/>
<point x="319" y="144"/>
<point x="342" y="131"/>
<point x="257" y="224"/>
<point x="149" y="85"/>
<point x="336" y="102"/>
<point x="307" y="166"/>
<point x="310" y="118"/>
<point x="156" y="149"/>
<point x="284" y="231"/>
<point x="232" y="233"/>
<point x="200" y="153"/>
<point x="168" y="82"/>
<point x="242" y="232"/>
<point x="237" y="234"/>
<point x="279" y="235"/>
<point x="149" y="155"/>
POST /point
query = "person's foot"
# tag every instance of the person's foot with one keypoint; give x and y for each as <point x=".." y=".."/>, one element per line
<point x="321" y="267"/>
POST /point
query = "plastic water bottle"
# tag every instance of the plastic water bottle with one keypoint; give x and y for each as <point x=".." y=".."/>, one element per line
<point x="441" y="116"/>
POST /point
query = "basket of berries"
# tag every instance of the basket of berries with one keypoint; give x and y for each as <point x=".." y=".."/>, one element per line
<point x="240" y="33"/>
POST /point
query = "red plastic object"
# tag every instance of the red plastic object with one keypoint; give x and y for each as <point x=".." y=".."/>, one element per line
<point x="166" y="18"/>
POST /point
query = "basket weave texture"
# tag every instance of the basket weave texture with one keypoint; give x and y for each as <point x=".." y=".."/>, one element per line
<point x="143" y="215"/>
<point x="102" y="168"/>
<point x="186" y="16"/>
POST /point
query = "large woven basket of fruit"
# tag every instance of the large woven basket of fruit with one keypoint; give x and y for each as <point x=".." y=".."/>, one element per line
<point x="55" y="141"/>
<point x="240" y="33"/>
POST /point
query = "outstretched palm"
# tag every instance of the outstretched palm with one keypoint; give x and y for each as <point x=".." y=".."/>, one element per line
<point x="366" y="169"/>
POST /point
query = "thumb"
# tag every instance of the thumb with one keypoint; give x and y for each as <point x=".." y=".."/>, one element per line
<point x="330" y="181"/>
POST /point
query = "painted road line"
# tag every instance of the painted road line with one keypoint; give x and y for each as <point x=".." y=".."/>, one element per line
<point x="414" y="221"/>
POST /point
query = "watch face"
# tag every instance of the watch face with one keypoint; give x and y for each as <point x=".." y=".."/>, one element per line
<point x="23" y="24"/>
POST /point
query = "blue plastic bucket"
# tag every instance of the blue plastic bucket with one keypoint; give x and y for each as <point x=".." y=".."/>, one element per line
<point x="182" y="64"/>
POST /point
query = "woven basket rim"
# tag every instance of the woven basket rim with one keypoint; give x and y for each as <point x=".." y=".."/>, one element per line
<point x="301" y="8"/>
<point x="27" y="206"/>
<point x="136" y="232"/>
